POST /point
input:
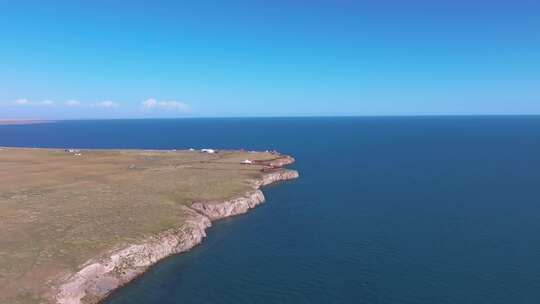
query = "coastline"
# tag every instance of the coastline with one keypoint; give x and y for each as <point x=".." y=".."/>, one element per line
<point x="99" y="277"/>
<point x="8" y="122"/>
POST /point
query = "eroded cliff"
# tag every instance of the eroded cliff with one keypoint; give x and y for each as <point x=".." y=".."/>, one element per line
<point x="97" y="278"/>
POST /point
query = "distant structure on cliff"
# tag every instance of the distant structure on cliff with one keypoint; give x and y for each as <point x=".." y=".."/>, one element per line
<point x="210" y="151"/>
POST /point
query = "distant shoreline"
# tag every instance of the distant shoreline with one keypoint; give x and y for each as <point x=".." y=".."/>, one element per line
<point x="23" y="121"/>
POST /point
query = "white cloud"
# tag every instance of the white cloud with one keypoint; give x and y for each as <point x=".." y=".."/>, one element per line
<point x="73" y="103"/>
<point x="152" y="103"/>
<point x="21" y="102"/>
<point x="26" y="102"/>
<point x="45" y="103"/>
<point x="106" y="104"/>
<point x="149" y="103"/>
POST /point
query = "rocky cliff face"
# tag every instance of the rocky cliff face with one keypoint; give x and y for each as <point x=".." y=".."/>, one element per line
<point x="281" y="161"/>
<point x="98" y="278"/>
<point x="250" y="199"/>
<point x="237" y="205"/>
<point x="275" y="176"/>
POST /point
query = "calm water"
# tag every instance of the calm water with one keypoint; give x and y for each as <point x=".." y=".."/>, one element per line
<point x="387" y="210"/>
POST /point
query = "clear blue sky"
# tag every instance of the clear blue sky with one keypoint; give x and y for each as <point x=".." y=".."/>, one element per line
<point x="104" y="59"/>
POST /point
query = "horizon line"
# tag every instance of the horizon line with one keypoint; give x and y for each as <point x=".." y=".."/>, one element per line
<point x="277" y="116"/>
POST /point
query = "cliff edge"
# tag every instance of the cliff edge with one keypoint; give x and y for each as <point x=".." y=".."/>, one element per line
<point x="97" y="278"/>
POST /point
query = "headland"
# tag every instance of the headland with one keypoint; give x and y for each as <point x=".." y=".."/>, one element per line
<point x="77" y="224"/>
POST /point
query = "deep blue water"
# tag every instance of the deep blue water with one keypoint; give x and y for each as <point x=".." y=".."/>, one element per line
<point x="387" y="210"/>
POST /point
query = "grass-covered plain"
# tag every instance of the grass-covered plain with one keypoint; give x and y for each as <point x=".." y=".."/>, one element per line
<point x="59" y="209"/>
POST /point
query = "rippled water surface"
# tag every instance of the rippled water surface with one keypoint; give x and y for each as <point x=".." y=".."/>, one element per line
<point x="387" y="210"/>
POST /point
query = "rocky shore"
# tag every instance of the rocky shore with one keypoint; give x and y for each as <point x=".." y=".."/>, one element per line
<point x="97" y="278"/>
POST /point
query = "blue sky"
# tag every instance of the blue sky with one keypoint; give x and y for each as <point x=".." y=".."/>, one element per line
<point x="127" y="59"/>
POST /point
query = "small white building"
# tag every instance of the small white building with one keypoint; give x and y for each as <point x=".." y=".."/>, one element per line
<point x="247" y="162"/>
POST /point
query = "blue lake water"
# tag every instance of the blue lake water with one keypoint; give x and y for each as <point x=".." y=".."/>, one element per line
<point x="387" y="210"/>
